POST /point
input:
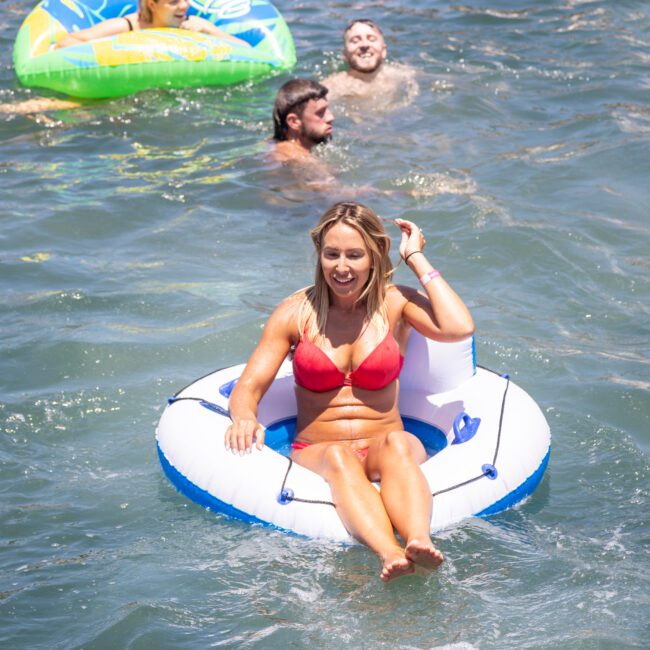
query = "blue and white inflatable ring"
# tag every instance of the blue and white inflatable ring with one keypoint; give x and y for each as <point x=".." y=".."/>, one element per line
<point x="488" y="441"/>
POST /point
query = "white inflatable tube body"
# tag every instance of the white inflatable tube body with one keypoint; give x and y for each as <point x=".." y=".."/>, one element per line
<point x="489" y="444"/>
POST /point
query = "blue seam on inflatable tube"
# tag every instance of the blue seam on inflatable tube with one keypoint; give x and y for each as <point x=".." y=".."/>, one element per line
<point x="474" y="353"/>
<point x="520" y="493"/>
<point x="203" y="498"/>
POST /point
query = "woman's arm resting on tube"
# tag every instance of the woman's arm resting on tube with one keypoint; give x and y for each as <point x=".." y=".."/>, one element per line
<point x="197" y="24"/>
<point x="260" y="371"/>
<point x="108" y="27"/>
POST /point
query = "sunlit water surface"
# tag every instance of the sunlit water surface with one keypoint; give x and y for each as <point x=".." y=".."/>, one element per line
<point x="146" y="239"/>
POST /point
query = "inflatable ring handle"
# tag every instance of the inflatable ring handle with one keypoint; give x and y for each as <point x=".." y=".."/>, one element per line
<point x="226" y="389"/>
<point x="490" y="471"/>
<point x="285" y="496"/>
<point x="467" y="431"/>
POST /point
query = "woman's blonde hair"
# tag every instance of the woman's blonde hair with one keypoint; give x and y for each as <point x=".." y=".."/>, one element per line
<point x="314" y="308"/>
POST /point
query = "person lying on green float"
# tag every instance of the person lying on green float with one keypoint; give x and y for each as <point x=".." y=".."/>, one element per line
<point x="152" y="14"/>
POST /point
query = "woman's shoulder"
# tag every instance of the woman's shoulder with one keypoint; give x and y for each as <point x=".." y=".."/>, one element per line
<point x="296" y="299"/>
<point x="119" y="24"/>
<point x="399" y="293"/>
<point x="398" y="296"/>
<point x="288" y="310"/>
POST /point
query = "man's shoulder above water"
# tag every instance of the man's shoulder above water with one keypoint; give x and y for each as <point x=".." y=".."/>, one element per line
<point x="389" y="78"/>
<point x="290" y="151"/>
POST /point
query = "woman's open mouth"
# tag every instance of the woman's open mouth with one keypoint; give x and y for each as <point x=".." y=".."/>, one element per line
<point x="344" y="282"/>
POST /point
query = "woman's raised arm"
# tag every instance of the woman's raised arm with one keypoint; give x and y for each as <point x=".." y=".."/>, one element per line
<point x="441" y="315"/>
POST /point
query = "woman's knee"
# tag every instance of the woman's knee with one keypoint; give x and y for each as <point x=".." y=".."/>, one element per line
<point x="404" y="445"/>
<point x="339" y="458"/>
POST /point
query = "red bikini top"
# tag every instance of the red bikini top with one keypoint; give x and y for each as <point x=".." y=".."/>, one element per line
<point x="315" y="371"/>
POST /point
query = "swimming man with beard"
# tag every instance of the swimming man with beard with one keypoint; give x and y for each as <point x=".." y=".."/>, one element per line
<point x="301" y="120"/>
<point x="368" y="75"/>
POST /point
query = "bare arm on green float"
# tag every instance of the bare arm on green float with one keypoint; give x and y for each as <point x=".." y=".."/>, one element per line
<point x="103" y="29"/>
<point x="260" y="371"/>
<point x="132" y="22"/>
<point x="197" y="24"/>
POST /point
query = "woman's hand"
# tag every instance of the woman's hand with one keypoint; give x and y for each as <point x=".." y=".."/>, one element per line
<point x="412" y="238"/>
<point x="196" y="24"/>
<point x="240" y="435"/>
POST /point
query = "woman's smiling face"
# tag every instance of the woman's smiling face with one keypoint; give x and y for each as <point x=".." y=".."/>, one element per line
<point x="168" y="13"/>
<point x="345" y="261"/>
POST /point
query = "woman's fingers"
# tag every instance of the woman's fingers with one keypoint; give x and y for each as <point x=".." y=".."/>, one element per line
<point x="403" y="245"/>
<point x="412" y="237"/>
<point x="259" y="436"/>
<point x="239" y="436"/>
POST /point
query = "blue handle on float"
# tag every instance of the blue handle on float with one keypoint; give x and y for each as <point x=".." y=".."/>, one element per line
<point x="211" y="406"/>
<point x="490" y="471"/>
<point x="226" y="389"/>
<point x="285" y="496"/>
<point x="468" y="430"/>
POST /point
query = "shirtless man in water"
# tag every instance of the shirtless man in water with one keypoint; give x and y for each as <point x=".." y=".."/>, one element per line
<point x="368" y="75"/>
<point x="301" y="120"/>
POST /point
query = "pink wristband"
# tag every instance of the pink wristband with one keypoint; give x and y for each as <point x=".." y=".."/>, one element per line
<point x="427" y="277"/>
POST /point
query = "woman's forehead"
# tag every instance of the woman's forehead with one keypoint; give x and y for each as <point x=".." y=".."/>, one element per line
<point x="342" y="234"/>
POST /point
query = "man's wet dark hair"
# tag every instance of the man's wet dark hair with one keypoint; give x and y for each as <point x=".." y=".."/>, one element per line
<point x="292" y="98"/>
<point x="365" y="21"/>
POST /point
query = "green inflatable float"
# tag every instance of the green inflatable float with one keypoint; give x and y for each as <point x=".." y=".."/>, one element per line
<point x="149" y="58"/>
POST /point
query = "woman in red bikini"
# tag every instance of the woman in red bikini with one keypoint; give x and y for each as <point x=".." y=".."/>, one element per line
<point x="349" y="332"/>
<point x="152" y="13"/>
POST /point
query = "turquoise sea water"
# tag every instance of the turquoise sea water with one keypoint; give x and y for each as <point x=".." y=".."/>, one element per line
<point x="145" y="240"/>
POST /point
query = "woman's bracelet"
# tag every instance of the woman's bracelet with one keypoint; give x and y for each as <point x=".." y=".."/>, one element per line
<point x="427" y="277"/>
<point x="406" y="259"/>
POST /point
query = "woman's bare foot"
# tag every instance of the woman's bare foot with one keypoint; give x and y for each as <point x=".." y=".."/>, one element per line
<point x="395" y="566"/>
<point x="423" y="554"/>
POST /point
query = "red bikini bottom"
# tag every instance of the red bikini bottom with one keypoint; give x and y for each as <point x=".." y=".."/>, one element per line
<point x="297" y="446"/>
